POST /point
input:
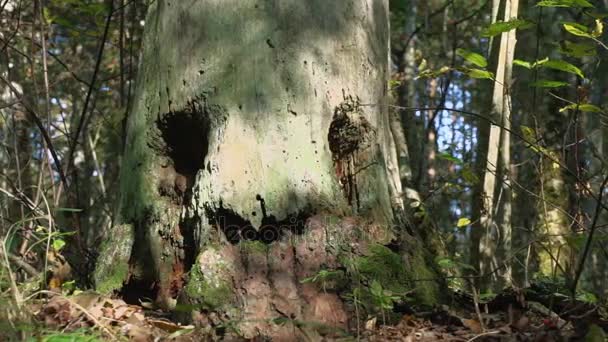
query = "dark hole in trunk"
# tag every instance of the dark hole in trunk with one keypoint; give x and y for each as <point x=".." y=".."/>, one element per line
<point x="237" y="229"/>
<point x="136" y="291"/>
<point x="185" y="137"/>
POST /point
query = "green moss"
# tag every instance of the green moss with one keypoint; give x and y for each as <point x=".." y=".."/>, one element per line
<point x="210" y="289"/>
<point x="385" y="266"/>
<point x="136" y="194"/>
<point x="210" y="296"/>
<point x="115" y="279"/>
<point x="251" y="246"/>
<point x="426" y="292"/>
<point x="113" y="264"/>
<point x="388" y="268"/>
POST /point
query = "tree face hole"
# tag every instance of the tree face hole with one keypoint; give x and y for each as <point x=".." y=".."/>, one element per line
<point x="185" y="139"/>
<point x="237" y="229"/>
<point x="349" y="133"/>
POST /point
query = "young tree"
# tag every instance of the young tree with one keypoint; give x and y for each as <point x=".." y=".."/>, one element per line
<point x="259" y="153"/>
<point x="491" y="229"/>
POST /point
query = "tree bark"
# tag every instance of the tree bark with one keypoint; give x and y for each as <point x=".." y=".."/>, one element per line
<point x="256" y="158"/>
<point x="496" y="234"/>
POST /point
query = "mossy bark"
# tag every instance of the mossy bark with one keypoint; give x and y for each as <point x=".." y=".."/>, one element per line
<point x="246" y="126"/>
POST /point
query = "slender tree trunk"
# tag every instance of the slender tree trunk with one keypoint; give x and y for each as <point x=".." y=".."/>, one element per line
<point x="492" y="233"/>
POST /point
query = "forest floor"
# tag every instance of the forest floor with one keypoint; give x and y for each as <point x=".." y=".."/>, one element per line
<point x="88" y="316"/>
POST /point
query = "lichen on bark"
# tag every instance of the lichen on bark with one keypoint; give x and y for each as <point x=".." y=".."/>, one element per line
<point x="209" y="283"/>
<point x="112" y="268"/>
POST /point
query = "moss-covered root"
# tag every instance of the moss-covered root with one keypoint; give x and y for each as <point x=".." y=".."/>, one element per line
<point x="112" y="267"/>
<point x="210" y="285"/>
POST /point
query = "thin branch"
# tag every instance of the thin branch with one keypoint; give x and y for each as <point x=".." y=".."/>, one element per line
<point x="592" y="229"/>
<point x="34" y="117"/>
<point x="515" y="134"/>
<point x="29" y="269"/>
<point x="87" y="100"/>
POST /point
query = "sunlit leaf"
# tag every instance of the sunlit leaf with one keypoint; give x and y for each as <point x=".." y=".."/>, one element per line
<point x="428" y="73"/>
<point x="449" y="157"/>
<point x="583" y="107"/>
<point x="563" y="66"/>
<point x="586" y="297"/>
<point x="598" y="29"/>
<point x="47" y="16"/>
<point x="528" y="133"/>
<point x="423" y="65"/>
<point x="521" y="63"/>
<point x="505" y="26"/>
<point x="445" y="263"/>
<point x="577" y="29"/>
<point x="58" y="244"/>
<point x="540" y="62"/>
<point x="564" y="3"/>
<point x="479" y="73"/>
<point x="463" y="222"/>
<point x="394" y="83"/>
<point x="472" y="57"/>
<point x="549" y="84"/>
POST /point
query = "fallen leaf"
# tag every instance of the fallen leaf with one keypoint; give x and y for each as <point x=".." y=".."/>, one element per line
<point x="371" y="324"/>
<point x="473" y="325"/>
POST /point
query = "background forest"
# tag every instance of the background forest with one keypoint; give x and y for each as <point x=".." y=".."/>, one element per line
<point x="497" y="108"/>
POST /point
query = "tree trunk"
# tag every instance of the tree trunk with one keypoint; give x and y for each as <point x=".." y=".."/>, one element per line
<point x="495" y="240"/>
<point x="254" y="185"/>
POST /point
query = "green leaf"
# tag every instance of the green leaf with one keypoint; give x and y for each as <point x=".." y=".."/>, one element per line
<point x="376" y="288"/>
<point x="505" y="26"/>
<point x="598" y="29"/>
<point x="595" y="334"/>
<point x="548" y="84"/>
<point x="469" y="175"/>
<point x="472" y="57"/>
<point x="428" y="73"/>
<point x="445" y="263"/>
<point x="449" y="157"/>
<point x="564" y="3"/>
<point x="47" y="16"/>
<point x="528" y="133"/>
<point x="189" y="329"/>
<point x="58" y="244"/>
<point x="521" y="63"/>
<point x="540" y="62"/>
<point x="562" y="66"/>
<point x="479" y="73"/>
<point x="577" y="29"/>
<point x="586" y="297"/>
<point x="597" y="15"/>
<point x="394" y="84"/>
<point x="487" y="296"/>
<point x="463" y="222"/>
<point x="71" y="210"/>
<point x="577" y="50"/>
<point x="583" y="107"/>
